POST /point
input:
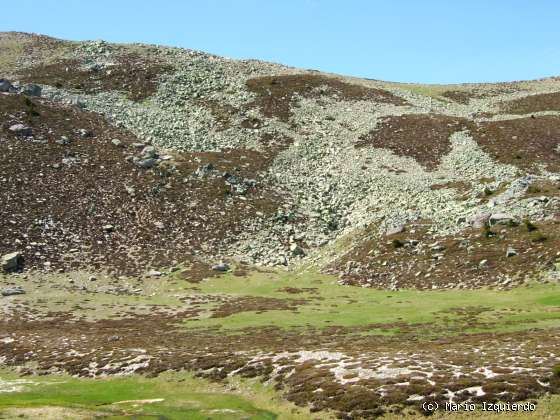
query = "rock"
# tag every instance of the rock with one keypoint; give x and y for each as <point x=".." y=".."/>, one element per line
<point x="31" y="90"/>
<point x="510" y="252"/>
<point x="11" y="291"/>
<point x="63" y="140"/>
<point x="137" y="145"/>
<point x="6" y="86"/>
<point x="21" y="130"/>
<point x="479" y="220"/>
<point x="155" y="273"/>
<point x="437" y="247"/>
<point x="204" y="170"/>
<point x="395" y="230"/>
<point x="108" y="228"/>
<point x="149" y="152"/>
<point x="159" y="225"/>
<point x="12" y="261"/>
<point x="501" y="219"/>
<point x="92" y="278"/>
<point x="222" y="266"/>
<point x="147" y="163"/>
<point x="296" y="250"/>
<point x="117" y="143"/>
<point x="84" y="133"/>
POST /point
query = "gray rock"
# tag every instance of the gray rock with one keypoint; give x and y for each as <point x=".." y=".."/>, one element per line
<point x="31" y="90"/>
<point x="147" y="163"/>
<point x="479" y="220"/>
<point x="117" y="143"/>
<point x="11" y="291"/>
<point x="510" y="252"/>
<point x="204" y="170"/>
<point x="149" y="152"/>
<point x="6" y="86"/>
<point x="155" y="273"/>
<point x="501" y="219"/>
<point x="296" y="250"/>
<point x="108" y="228"/>
<point x="395" y="230"/>
<point x="12" y="261"/>
<point x="84" y="133"/>
<point x="21" y="130"/>
<point x="222" y="266"/>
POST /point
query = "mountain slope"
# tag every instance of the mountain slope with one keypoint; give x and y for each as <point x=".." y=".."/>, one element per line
<point x="165" y="209"/>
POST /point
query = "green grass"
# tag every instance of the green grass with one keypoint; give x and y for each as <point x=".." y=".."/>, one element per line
<point x="183" y="396"/>
<point x="512" y="310"/>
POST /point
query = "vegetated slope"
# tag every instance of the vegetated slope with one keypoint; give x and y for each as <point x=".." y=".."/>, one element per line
<point x="125" y="160"/>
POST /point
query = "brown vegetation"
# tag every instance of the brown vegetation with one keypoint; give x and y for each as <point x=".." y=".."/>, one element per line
<point x="523" y="142"/>
<point x="135" y="75"/>
<point x="276" y="95"/>
<point x="533" y="103"/>
<point x="61" y="187"/>
<point x="423" y="137"/>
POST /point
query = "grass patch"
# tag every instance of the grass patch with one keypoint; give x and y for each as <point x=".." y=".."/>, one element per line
<point x="170" y="396"/>
<point x="331" y="304"/>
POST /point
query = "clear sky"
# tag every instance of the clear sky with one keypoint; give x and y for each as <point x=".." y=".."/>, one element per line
<point x="428" y="41"/>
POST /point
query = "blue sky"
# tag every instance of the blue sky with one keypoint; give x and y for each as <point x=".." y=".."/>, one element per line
<point x="427" y="41"/>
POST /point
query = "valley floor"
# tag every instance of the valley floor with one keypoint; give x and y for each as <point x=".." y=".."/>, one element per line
<point x="269" y="344"/>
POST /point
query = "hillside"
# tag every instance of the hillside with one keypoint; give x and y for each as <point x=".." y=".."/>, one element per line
<point x="144" y="187"/>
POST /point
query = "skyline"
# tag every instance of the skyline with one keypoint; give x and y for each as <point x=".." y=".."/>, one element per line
<point x="404" y="41"/>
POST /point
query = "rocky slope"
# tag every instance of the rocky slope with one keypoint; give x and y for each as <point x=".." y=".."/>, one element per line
<point x="137" y="158"/>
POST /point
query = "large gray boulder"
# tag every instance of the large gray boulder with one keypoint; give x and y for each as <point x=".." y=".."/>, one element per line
<point x="479" y="220"/>
<point x="222" y="266"/>
<point x="6" y="86"/>
<point x="11" y="262"/>
<point x="501" y="219"/>
<point x="31" y="90"/>
<point x="21" y="130"/>
<point x="11" y="291"/>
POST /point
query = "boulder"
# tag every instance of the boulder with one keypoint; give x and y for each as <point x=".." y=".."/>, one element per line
<point x="12" y="261"/>
<point x="510" y="252"/>
<point x="204" y="170"/>
<point x="147" y="163"/>
<point x="479" y="220"/>
<point x="149" y="152"/>
<point x="296" y="250"/>
<point x="108" y="228"/>
<point x="155" y="273"/>
<point x="222" y="266"/>
<point x="31" y="90"/>
<point x="6" y="86"/>
<point x="21" y="130"/>
<point x="395" y="230"/>
<point x="501" y="219"/>
<point x="117" y="143"/>
<point x="11" y="291"/>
